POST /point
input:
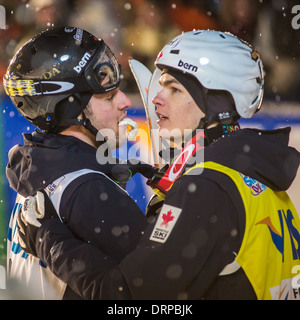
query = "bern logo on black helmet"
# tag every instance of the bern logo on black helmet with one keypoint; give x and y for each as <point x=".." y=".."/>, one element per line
<point x="82" y="62"/>
<point x="187" y="66"/>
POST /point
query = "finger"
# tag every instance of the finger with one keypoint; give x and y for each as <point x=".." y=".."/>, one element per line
<point x="29" y="213"/>
<point x="40" y="204"/>
<point x="21" y="223"/>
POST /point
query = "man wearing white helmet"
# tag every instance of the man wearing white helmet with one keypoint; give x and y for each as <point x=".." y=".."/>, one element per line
<point x="227" y="229"/>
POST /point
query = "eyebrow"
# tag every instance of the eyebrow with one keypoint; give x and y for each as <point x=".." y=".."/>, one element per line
<point x="168" y="82"/>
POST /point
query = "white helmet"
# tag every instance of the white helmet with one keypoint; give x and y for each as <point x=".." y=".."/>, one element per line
<point x="219" y="61"/>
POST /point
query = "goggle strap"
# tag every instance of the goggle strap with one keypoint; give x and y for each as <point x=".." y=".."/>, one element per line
<point x="36" y="87"/>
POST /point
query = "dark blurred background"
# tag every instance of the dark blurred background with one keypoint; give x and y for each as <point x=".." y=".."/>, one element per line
<point x="139" y="29"/>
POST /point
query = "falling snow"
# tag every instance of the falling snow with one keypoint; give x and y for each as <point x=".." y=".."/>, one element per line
<point x="140" y="29"/>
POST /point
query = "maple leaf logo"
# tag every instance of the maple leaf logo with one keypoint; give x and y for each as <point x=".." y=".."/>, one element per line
<point x="167" y="217"/>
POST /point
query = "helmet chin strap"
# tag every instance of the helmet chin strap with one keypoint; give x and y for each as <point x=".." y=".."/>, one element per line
<point x="88" y="125"/>
<point x="217" y="125"/>
<point x="79" y="122"/>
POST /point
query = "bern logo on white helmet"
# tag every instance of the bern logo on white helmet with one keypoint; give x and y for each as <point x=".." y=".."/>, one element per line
<point x="187" y="66"/>
<point x="82" y="62"/>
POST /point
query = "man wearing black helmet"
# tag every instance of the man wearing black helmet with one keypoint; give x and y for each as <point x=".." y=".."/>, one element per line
<point x="227" y="229"/>
<point x="65" y="81"/>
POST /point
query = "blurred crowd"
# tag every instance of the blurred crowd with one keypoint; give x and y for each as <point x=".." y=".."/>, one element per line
<point x="139" y="29"/>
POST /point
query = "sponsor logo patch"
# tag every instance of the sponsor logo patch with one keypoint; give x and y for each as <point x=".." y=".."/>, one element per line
<point x="165" y="223"/>
<point x="256" y="187"/>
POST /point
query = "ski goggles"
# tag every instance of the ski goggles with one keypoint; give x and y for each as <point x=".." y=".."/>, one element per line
<point x="103" y="71"/>
<point x="98" y="72"/>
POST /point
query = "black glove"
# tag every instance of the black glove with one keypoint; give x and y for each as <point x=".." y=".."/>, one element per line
<point x="33" y="213"/>
<point x="153" y="208"/>
<point x="125" y="171"/>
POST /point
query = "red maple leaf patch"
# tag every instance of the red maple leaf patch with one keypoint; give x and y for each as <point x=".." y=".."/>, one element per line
<point x="167" y="217"/>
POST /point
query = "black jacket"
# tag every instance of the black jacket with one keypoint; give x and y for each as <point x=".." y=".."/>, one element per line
<point x="94" y="208"/>
<point x="203" y="241"/>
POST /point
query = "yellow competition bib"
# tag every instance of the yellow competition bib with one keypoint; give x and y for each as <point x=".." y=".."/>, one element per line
<point x="270" y="250"/>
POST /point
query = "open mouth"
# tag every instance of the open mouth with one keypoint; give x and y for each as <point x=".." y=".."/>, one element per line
<point x="161" y="117"/>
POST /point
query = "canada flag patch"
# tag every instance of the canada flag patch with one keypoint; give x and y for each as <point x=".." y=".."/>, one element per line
<point x="165" y="223"/>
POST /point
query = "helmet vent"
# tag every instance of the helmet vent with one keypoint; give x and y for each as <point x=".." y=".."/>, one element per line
<point x="175" y="51"/>
<point x="222" y="35"/>
<point x="258" y="80"/>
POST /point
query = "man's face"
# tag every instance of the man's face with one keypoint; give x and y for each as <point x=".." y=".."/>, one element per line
<point x="106" y="110"/>
<point x="175" y="108"/>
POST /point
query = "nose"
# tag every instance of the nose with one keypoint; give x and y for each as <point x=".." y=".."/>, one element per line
<point x="125" y="101"/>
<point x="158" y="99"/>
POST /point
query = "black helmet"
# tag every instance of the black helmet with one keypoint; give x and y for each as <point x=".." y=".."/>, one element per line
<point x="53" y="76"/>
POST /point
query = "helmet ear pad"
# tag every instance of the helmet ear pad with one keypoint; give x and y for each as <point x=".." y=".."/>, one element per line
<point x="219" y="101"/>
<point x="71" y="107"/>
<point x="68" y="108"/>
